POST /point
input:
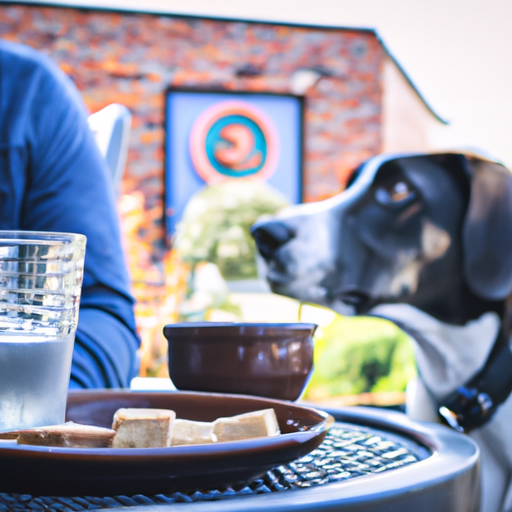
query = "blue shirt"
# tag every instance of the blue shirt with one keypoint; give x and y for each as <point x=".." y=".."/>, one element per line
<point x="53" y="178"/>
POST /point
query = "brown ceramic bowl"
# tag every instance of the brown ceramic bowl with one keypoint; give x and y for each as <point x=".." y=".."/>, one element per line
<point x="273" y="360"/>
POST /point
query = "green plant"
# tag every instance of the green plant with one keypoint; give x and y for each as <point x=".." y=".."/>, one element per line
<point x="216" y="225"/>
<point x="356" y="355"/>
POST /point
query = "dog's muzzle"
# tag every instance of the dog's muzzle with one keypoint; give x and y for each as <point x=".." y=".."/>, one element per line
<point x="270" y="236"/>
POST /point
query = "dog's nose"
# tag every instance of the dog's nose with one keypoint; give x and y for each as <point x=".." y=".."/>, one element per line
<point x="270" y="235"/>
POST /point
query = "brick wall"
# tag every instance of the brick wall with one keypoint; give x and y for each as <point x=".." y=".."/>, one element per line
<point x="133" y="58"/>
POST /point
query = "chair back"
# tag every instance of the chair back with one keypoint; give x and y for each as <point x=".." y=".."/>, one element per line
<point x="111" y="128"/>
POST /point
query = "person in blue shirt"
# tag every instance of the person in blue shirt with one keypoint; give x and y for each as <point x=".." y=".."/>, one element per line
<point x="53" y="178"/>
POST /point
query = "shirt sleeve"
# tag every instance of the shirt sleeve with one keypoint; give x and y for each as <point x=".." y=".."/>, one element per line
<point x="68" y="188"/>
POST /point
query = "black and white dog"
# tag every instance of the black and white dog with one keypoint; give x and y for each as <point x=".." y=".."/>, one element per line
<point x="425" y="241"/>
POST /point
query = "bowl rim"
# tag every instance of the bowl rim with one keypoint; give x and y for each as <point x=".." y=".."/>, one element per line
<point x="237" y="327"/>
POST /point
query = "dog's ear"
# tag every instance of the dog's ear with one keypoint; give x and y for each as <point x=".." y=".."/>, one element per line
<point x="487" y="233"/>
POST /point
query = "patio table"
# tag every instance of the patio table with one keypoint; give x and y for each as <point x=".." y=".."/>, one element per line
<point x="372" y="459"/>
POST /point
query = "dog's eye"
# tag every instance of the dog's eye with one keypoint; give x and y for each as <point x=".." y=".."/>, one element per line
<point x="398" y="193"/>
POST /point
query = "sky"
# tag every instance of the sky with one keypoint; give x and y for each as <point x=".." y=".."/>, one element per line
<point x="457" y="52"/>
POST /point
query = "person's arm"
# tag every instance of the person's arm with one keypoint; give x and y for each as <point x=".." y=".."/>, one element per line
<point x="105" y="345"/>
<point x="68" y="188"/>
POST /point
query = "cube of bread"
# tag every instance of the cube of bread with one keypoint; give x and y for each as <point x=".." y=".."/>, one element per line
<point x="143" y="428"/>
<point x="70" y="435"/>
<point x="261" y="423"/>
<point x="191" y="432"/>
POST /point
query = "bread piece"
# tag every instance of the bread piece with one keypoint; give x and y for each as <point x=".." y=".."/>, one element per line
<point x="71" y="435"/>
<point x="143" y="428"/>
<point x="10" y="434"/>
<point x="191" y="432"/>
<point x="261" y="423"/>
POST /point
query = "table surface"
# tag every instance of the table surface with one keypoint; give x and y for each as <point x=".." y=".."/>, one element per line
<point x="369" y="456"/>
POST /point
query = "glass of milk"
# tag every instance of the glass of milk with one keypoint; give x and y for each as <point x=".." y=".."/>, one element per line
<point x="40" y="285"/>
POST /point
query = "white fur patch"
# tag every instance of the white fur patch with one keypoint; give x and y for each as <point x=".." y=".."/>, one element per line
<point x="447" y="355"/>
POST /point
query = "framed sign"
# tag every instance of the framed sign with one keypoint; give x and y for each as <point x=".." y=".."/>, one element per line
<point x="215" y="136"/>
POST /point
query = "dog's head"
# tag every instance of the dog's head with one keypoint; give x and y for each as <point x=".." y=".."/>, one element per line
<point x="433" y="231"/>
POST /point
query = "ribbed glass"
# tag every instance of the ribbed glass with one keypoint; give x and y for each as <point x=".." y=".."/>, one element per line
<point x="40" y="282"/>
<point x="40" y="286"/>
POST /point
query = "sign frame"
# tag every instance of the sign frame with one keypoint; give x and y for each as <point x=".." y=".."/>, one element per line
<point x="187" y="107"/>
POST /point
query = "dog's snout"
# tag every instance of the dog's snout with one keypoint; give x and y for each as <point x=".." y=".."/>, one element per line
<point x="270" y="236"/>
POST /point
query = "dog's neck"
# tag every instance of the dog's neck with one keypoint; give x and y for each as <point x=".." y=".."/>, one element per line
<point x="453" y="302"/>
<point x="447" y="355"/>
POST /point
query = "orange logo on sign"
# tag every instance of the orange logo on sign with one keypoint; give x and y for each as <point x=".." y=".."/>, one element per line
<point x="234" y="139"/>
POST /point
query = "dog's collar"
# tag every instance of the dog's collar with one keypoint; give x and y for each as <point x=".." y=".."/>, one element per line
<point x="474" y="404"/>
<point x="479" y="387"/>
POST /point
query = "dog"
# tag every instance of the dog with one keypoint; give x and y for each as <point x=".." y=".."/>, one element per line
<point x="424" y="240"/>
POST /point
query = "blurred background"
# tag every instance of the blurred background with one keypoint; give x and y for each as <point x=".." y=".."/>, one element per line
<point x="328" y="83"/>
<point x="455" y="52"/>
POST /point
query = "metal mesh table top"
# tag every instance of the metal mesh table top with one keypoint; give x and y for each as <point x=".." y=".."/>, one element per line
<point x="348" y="451"/>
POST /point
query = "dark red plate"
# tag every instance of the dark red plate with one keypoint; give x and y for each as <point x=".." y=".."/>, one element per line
<point x="107" y="471"/>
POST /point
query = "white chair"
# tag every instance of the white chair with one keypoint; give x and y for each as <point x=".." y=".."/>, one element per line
<point x="111" y="128"/>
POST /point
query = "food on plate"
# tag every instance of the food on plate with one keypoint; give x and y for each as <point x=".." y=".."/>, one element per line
<point x="191" y="432"/>
<point x="150" y="428"/>
<point x="143" y="428"/>
<point x="70" y="435"/>
<point x="249" y="425"/>
<point x="246" y="426"/>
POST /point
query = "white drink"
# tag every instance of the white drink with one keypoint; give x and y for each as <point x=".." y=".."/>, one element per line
<point x="34" y="379"/>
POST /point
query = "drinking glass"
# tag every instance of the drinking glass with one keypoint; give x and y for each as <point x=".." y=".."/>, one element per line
<point x="40" y="286"/>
